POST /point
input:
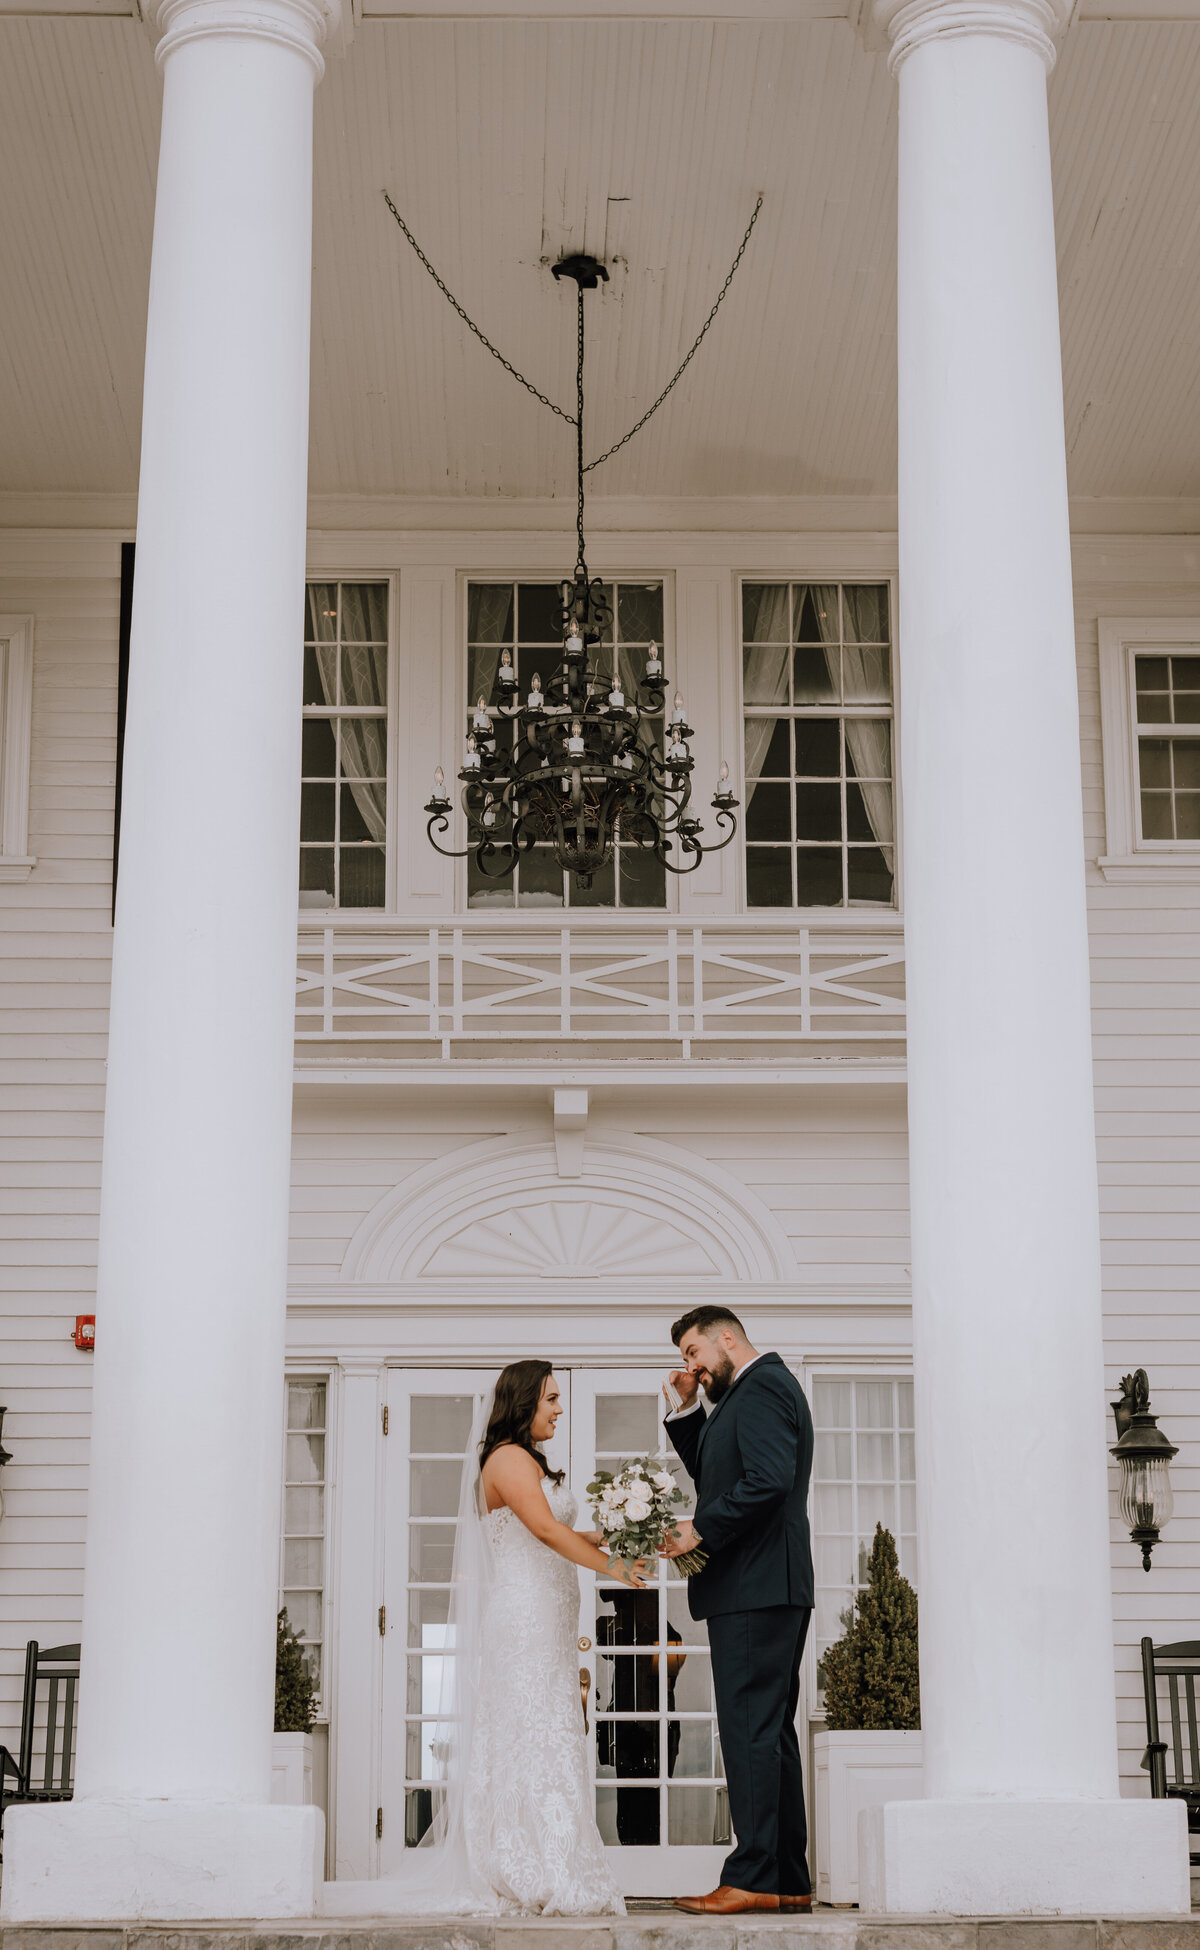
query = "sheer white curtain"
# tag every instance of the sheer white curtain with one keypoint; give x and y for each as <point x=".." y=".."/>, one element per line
<point x="864" y="680"/>
<point x="766" y="657"/>
<point x="363" y="653"/>
<point x="489" y="630"/>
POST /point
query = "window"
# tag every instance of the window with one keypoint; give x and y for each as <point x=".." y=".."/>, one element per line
<point x="817" y="697"/>
<point x="302" y="1585"/>
<point x="343" y="797"/>
<point x="863" y="1474"/>
<point x="1167" y="693"/>
<point x="1150" y="721"/>
<point x="16" y="723"/>
<point x="525" y="618"/>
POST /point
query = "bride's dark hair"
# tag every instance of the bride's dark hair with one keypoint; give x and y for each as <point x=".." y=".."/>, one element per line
<point x="514" y="1405"/>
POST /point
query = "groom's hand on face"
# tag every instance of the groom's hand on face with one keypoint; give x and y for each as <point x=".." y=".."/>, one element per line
<point x="682" y="1538"/>
<point x="685" y="1385"/>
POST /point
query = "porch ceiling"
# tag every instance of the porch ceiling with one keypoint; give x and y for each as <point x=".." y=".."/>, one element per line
<point x="507" y="142"/>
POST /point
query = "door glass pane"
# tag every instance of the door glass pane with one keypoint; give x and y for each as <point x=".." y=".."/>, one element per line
<point x="626" y="1425"/>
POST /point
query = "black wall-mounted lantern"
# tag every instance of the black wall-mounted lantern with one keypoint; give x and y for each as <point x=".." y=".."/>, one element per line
<point x="5" y="1457"/>
<point x="1144" y="1454"/>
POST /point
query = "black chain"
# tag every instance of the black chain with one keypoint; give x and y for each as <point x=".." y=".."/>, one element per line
<point x="580" y="469"/>
<point x="470" y="322"/>
<point x="671" y="383"/>
<point x="576" y="419"/>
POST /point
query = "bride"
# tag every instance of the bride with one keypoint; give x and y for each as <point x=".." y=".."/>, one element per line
<point x="515" y="1832"/>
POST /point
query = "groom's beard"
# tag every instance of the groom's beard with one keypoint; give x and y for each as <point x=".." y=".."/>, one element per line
<point x="720" y="1377"/>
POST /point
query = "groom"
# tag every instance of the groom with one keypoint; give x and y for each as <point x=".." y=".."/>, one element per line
<point x="750" y="1458"/>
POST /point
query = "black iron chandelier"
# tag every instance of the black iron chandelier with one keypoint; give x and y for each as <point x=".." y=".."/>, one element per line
<point x="584" y="764"/>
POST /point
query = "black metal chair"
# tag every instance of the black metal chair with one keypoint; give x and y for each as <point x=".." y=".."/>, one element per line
<point x="1179" y="1666"/>
<point x="44" y="1768"/>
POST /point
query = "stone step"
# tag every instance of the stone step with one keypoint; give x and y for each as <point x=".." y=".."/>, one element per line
<point x="647" y="1927"/>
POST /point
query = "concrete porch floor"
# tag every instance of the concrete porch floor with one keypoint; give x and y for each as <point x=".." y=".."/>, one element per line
<point x="647" y="1927"/>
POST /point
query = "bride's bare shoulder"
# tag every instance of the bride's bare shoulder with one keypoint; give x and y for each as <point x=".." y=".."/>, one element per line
<point x="509" y="1472"/>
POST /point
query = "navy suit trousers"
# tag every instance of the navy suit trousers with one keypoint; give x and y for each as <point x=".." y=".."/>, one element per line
<point x="756" y="1679"/>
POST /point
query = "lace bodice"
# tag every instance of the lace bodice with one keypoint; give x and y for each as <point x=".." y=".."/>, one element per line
<point x="530" y="1815"/>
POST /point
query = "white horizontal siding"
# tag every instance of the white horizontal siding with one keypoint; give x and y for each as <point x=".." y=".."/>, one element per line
<point x="1145" y="943"/>
<point x="54" y="966"/>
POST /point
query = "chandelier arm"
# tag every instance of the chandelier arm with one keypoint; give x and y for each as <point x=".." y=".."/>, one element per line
<point x="440" y="823"/>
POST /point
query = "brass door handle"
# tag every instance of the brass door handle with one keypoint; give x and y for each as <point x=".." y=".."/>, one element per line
<point x="585" y="1687"/>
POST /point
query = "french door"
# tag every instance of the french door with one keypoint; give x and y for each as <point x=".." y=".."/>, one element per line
<point x="645" y="1680"/>
<point x="661" y="1804"/>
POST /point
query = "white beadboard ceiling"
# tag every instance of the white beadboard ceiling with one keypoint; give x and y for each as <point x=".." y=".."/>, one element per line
<point x="506" y="143"/>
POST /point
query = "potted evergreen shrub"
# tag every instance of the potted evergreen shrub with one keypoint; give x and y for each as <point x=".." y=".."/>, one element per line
<point x="869" y="1749"/>
<point x="295" y="1710"/>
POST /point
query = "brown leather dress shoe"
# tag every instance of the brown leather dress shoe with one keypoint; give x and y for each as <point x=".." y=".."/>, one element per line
<point x="795" y="1902"/>
<point x="725" y="1902"/>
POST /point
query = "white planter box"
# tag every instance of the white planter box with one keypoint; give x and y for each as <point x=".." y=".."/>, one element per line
<point x="292" y="1769"/>
<point x="852" y="1771"/>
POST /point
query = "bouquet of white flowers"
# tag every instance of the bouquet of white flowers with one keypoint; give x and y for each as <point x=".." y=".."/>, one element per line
<point x="633" y="1508"/>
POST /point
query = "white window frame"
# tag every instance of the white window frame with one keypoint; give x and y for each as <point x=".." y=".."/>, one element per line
<point x="847" y="917"/>
<point x="855" y="1367"/>
<point x="16" y="733"/>
<point x="315" y="1371"/>
<point x="332" y="571"/>
<point x="1128" y="856"/>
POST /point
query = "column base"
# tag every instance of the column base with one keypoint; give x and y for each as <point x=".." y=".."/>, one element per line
<point x="96" y="1861"/>
<point x="1024" y="1858"/>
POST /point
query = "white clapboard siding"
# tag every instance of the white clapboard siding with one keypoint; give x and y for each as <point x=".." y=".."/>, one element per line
<point x="1145" y="944"/>
<point x="55" y="941"/>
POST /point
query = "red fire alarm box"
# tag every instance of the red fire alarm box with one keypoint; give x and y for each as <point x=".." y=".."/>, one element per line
<point x="85" y="1331"/>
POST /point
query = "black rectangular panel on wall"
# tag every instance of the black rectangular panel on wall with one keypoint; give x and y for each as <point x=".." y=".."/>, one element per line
<point x="127" y="553"/>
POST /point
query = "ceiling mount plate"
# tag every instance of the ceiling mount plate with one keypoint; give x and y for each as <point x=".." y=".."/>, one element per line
<point x="586" y="271"/>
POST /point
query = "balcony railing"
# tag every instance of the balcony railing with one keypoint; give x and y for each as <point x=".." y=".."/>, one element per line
<point x="743" y="987"/>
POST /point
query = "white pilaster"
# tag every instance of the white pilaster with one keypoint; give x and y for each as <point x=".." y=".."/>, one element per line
<point x="1017" y="1691"/>
<point x="172" y="1816"/>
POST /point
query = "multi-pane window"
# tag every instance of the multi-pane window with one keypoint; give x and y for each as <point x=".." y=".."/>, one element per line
<point x="1168" y="694"/>
<point x="439" y="1427"/>
<point x="525" y="618"/>
<point x="863" y="1474"/>
<point x="817" y="698"/>
<point x="343" y="798"/>
<point x="302" y="1585"/>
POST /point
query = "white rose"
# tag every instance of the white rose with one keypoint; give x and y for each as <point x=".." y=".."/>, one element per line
<point x="636" y="1510"/>
<point x="663" y="1481"/>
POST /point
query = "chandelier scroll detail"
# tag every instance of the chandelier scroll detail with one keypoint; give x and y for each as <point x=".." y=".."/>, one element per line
<point x="585" y="764"/>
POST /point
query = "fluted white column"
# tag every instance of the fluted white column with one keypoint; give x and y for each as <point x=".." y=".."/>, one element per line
<point x="1017" y="1692"/>
<point x="172" y="1816"/>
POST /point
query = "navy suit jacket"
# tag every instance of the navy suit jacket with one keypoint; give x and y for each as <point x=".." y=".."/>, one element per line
<point x="750" y="1458"/>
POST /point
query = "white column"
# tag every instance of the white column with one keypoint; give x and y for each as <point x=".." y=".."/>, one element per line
<point x="1017" y="1691"/>
<point x="172" y="1816"/>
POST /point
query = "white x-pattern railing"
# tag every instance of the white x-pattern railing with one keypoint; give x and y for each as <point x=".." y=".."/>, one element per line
<point x="604" y="979"/>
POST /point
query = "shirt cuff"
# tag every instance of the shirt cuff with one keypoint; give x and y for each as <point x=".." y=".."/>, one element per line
<point x="677" y="1414"/>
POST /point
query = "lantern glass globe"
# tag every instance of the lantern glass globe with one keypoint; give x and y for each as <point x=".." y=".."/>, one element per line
<point x="1145" y="1496"/>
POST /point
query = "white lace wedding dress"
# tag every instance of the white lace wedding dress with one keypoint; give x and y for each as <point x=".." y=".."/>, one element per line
<point x="529" y="1823"/>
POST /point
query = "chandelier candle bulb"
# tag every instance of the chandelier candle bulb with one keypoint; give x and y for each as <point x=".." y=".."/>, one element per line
<point x="535" y="699"/>
<point x="575" y="741"/>
<point x="507" y="674"/>
<point x="616" y="698"/>
<point x="481" y="720"/>
<point x="471" y="760"/>
<point x="574" y="644"/>
<point x="653" y="664"/>
<point x="678" y="715"/>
